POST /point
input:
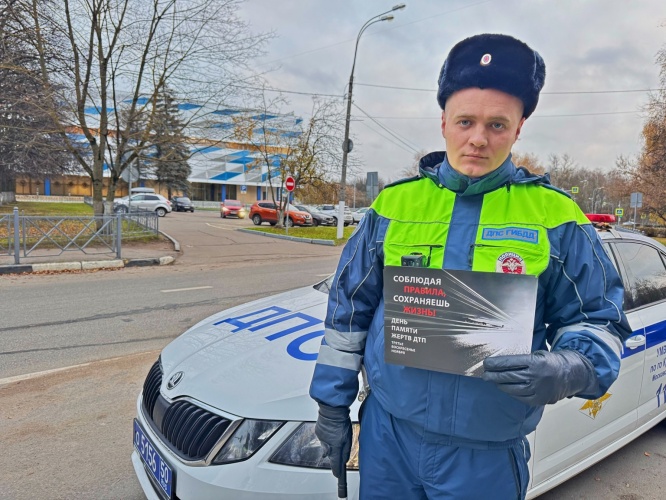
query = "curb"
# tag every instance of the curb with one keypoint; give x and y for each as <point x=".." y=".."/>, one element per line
<point x="176" y="245"/>
<point x="27" y="268"/>
<point x="314" y="241"/>
<point x="86" y="265"/>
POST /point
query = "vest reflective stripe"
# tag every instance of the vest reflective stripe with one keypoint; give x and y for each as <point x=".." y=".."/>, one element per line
<point x="511" y="235"/>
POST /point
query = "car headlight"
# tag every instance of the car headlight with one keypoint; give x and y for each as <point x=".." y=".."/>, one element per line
<point x="246" y="440"/>
<point x="303" y="449"/>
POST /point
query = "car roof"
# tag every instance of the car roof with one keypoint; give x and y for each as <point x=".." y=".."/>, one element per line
<point x="621" y="233"/>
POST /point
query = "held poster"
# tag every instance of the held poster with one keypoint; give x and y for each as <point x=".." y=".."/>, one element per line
<point x="450" y="321"/>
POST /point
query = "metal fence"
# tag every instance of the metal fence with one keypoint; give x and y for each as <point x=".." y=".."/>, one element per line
<point x="5" y="228"/>
<point x="29" y="235"/>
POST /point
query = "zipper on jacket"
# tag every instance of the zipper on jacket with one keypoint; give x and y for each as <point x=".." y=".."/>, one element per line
<point x="470" y="255"/>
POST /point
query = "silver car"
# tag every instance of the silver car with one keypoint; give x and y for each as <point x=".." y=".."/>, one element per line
<point x="333" y="211"/>
<point x="145" y="201"/>
<point x="358" y="214"/>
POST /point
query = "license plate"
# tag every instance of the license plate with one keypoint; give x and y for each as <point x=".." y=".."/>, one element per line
<point x="157" y="466"/>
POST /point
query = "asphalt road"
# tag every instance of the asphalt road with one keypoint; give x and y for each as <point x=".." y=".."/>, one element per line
<point x="67" y="434"/>
<point x="51" y="321"/>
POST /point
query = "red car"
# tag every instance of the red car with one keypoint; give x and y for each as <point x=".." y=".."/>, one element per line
<point x="266" y="211"/>
<point x="232" y="208"/>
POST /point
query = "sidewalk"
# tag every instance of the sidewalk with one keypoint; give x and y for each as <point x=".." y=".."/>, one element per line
<point x="161" y="252"/>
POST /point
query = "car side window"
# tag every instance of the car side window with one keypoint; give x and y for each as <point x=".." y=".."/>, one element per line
<point x="150" y="197"/>
<point x="138" y="197"/>
<point x="647" y="274"/>
<point x="609" y="252"/>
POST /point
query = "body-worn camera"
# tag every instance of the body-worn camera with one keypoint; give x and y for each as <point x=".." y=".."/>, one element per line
<point x="413" y="260"/>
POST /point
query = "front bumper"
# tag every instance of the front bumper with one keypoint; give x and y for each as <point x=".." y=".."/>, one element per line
<point x="240" y="214"/>
<point x="252" y="479"/>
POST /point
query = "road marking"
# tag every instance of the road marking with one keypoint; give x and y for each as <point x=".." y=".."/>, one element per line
<point x="186" y="289"/>
<point x="28" y="376"/>
<point x="220" y="227"/>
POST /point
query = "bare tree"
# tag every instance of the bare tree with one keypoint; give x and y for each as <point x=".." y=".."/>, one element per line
<point x="413" y="169"/>
<point x="119" y="55"/>
<point x="307" y="150"/>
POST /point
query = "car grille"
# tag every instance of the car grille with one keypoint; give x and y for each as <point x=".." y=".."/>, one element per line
<point x="151" y="388"/>
<point x="190" y="431"/>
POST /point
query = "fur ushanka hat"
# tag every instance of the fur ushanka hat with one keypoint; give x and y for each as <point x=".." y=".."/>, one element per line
<point x="498" y="62"/>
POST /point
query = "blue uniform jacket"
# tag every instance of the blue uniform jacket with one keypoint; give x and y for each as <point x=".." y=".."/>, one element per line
<point x="579" y="306"/>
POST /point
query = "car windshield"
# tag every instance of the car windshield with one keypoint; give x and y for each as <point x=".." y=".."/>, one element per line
<point x="232" y="203"/>
<point x="183" y="199"/>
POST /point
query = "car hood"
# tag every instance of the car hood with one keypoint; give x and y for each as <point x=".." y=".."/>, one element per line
<point x="255" y="360"/>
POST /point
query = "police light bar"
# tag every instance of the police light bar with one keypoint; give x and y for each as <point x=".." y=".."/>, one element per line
<point x="604" y="218"/>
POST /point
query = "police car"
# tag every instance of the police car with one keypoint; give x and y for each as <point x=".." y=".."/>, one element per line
<point x="225" y="411"/>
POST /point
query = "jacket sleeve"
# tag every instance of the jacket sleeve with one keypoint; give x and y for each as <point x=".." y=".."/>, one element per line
<point x="353" y="299"/>
<point x="584" y="302"/>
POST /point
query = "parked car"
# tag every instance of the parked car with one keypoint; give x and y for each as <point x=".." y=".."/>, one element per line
<point x="144" y="190"/>
<point x="266" y="211"/>
<point x="318" y="218"/>
<point x="334" y="210"/>
<point x="182" y="203"/>
<point x="358" y="214"/>
<point x="232" y="208"/>
<point x="225" y="410"/>
<point x="150" y="202"/>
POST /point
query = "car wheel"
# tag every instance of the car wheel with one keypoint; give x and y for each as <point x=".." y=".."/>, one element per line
<point x="121" y="210"/>
<point x="315" y="222"/>
<point x="223" y="215"/>
<point x="335" y="221"/>
<point x="289" y="222"/>
<point x="272" y="223"/>
<point x="161" y="212"/>
<point x="257" y="220"/>
<point x="346" y="224"/>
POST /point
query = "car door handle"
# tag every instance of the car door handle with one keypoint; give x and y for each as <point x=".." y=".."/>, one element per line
<point x="635" y="342"/>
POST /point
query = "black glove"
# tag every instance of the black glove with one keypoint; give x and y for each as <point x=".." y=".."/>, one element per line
<point x="542" y="377"/>
<point x="334" y="430"/>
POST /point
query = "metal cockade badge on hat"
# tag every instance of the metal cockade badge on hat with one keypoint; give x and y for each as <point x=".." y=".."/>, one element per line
<point x="485" y="60"/>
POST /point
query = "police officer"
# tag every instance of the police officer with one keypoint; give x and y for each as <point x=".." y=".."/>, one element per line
<point x="427" y="434"/>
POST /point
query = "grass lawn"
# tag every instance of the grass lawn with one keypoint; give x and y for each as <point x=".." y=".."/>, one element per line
<point x="319" y="232"/>
<point x="661" y="240"/>
<point x="47" y="208"/>
<point x="55" y="228"/>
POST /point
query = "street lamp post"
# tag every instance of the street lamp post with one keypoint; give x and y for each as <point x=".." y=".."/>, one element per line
<point x="347" y="144"/>
<point x="594" y="198"/>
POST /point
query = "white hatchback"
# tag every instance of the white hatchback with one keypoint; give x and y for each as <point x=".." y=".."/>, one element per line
<point x="225" y="411"/>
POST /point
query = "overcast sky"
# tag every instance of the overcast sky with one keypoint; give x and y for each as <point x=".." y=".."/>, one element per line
<point x="588" y="46"/>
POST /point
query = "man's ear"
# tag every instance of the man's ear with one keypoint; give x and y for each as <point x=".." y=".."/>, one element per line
<point x="520" y="127"/>
<point x="443" y="122"/>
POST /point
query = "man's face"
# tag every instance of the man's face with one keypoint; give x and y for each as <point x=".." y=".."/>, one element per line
<point x="480" y="126"/>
